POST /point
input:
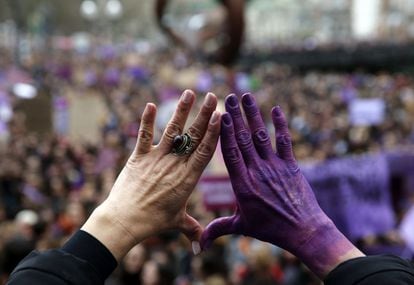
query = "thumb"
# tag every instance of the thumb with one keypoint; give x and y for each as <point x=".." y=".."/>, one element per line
<point x="217" y="228"/>
<point x="192" y="230"/>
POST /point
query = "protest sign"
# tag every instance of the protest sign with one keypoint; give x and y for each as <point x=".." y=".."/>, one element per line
<point x="217" y="192"/>
<point x="366" y="112"/>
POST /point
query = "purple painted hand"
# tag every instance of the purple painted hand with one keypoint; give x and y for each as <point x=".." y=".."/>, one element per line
<point x="274" y="201"/>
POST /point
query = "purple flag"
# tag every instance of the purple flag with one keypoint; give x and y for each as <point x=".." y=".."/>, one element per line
<point x="406" y="228"/>
<point x="354" y="192"/>
<point x="401" y="162"/>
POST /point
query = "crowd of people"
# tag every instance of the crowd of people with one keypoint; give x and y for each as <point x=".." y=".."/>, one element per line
<point x="51" y="182"/>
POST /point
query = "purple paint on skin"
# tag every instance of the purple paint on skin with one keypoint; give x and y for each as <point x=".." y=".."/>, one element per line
<point x="242" y="134"/>
<point x="275" y="202"/>
<point x="260" y="136"/>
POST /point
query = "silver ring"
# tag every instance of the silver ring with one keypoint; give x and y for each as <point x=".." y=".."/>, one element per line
<point x="182" y="145"/>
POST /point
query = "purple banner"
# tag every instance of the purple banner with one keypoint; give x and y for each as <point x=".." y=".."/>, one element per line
<point x="401" y="162"/>
<point x="354" y="192"/>
<point x="217" y="192"/>
<point x="401" y="165"/>
<point x="406" y="228"/>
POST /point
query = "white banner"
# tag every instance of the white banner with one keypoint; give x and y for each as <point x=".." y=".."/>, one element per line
<point x="366" y="112"/>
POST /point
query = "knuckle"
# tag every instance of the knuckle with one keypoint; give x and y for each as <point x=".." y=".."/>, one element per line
<point x="244" y="138"/>
<point x="183" y="107"/>
<point x="202" y="154"/>
<point x="205" y="149"/>
<point x="233" y="155"/>
<point x="294" y="167"/>
<point x="132" y="161"/>
<point x="284" y="140"/>
<point x="144" y="135"/>
<point x="212" y="135"/>
<point x="199" y="161"/>
<point x="264" y="174"/>
<point x="236" y="114"/>
<point x="145" y="121"/>
<point x="172" y="130"/>
<point x="261" y="136"/>
<point x="195" y="133"/>
<point x="206" y="111"/>
<point x="251" y="111"/>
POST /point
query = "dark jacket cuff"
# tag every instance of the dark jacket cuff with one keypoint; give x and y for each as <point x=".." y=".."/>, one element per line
<point x="86" y="247"/>
<point x="372" y="269"/>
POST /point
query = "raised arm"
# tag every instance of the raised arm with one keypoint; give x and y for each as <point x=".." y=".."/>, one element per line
<point x="149" y="197"/>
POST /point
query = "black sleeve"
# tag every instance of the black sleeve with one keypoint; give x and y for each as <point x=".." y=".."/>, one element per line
<point x="372" y="270"/>
<point x="82" y="260"/>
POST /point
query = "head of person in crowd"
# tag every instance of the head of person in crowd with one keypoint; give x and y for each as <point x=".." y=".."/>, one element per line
<point x="132" y="265"/>
<point x="14" y="250"/>
<point x="154" y="273"/>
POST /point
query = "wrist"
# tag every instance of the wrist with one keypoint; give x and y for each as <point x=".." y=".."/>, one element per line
<point x="325" y="249"/>
<point x="117" y="237"/>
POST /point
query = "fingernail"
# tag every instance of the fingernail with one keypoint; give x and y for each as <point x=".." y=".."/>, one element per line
<point x="284" y="139"/>
<point x="209" y="100"/>
<point x="261" y="136"/>
<point x="214" y="117"/>
<point x="196" y="247"/>
<point x="277" y="111"/>
<point x="232" y="100"/>
<point x="226" y="119"/>
<point x="248" y="99"/>
<point x="187" y="95"/>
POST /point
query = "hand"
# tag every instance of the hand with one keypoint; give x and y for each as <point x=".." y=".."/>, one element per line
<point x="274" y="201"/>
<point x="151" y="193"/>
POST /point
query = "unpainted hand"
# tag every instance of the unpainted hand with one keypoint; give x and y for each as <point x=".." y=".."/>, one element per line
<point x="150" y="194"/>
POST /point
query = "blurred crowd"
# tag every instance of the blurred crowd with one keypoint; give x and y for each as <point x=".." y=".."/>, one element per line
<point x="49" y="183"/>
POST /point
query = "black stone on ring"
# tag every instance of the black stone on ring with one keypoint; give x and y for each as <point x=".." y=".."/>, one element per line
<point x="182" y="145"/>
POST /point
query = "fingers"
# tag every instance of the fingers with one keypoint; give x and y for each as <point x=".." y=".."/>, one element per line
<point x="283" y="140"/>
<point x="217" y="228"/>
<point x="242" y="134"/>
<point x="205" y="150"/>
<point x="176" y="124"/>
<point x="257" y="127"/>
<point x="199" y="127"/>
<point x="192" y="230"/>
<point x="146" y="130"/>
<point x="231" y="152"/>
